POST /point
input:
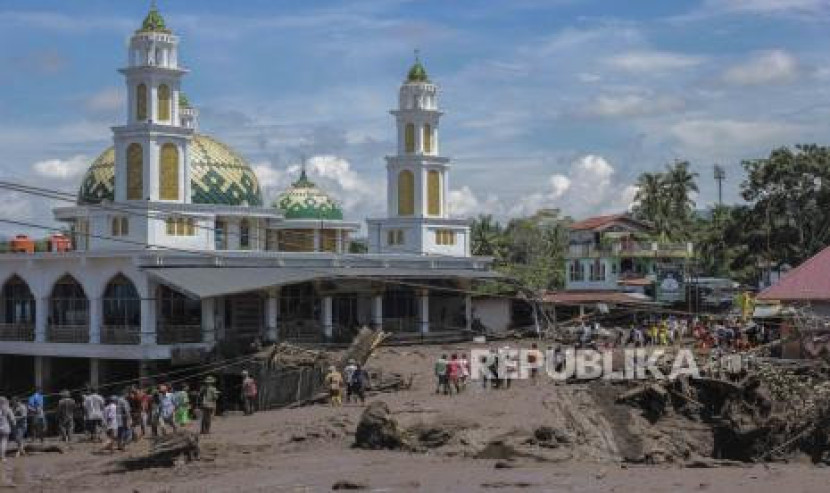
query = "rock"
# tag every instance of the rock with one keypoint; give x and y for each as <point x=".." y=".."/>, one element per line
<point x="378" y="430"/>
<point x="345" y="484"/>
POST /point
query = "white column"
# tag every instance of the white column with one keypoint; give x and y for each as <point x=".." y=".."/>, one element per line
<point x="377" y="311"/>
<point x="468" y="311"/>
<point x="326" y="314"/>
<point x="423" y="318"/>
<point x="148" y="321"/>
<point x="272" y="315"/>
<point x="339" y="241"/>
<point x="317" y="240"/>
<point x="41" y="318"/>
<point x="94" y="373"/>
<point x="41" y="371"/>
<point x="208" y="320"/>
<point x="95" y="320"/>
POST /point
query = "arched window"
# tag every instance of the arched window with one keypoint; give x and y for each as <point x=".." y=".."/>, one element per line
<point x="406" y="193"/>
<point x="169" y="173"/>
<point x="409" y="137"/>
<point x="433" y="193"/>
<point x="164" y="103"/>
<point x="68" y="304"/>
<point x="427" y="138"/>
<point x="121" y="312"/>
<point x="141" y="102"/>
<point x="135" y="172"/>
<point x="18" y="302"/>
<point x="244" y="234"/>
<point x="125" y="226"/>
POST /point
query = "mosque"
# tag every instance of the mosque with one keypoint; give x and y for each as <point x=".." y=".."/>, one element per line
<point x="177" y="259"/>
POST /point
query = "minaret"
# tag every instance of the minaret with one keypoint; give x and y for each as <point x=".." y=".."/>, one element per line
<point x="417" y="176"/>
<point x="418" y="219"/>
<point x="151" y="149"/>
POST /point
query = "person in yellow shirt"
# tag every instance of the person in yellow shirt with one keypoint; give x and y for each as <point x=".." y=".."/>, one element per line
<point x="334" y="381"/>
<point x="664" y="334"/>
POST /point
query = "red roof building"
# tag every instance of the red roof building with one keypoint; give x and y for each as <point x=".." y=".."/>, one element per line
<point x="810" y="281"/>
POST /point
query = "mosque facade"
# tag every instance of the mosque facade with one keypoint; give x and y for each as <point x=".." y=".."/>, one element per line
<point x="177" y="259"/>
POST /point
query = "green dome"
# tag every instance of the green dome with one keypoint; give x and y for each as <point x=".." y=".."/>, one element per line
<point x="218" y="175"/>
<point x="417" y="73"/>
<point x="304" y="200"/>
<point x="154" y="22"/>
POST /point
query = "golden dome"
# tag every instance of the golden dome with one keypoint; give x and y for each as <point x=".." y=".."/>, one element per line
<point x="218" y="175"/>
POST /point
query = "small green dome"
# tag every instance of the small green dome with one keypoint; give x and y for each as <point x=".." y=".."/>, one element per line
<point x="154" y="22"/>
<point x="417" y="73"/>
<point x="304" y="200"/>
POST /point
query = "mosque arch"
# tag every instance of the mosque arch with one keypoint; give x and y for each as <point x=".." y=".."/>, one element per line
<point x="164" y="103"/>
<point x="406" y="193"/>
<point x="135" y="171"/>
<point x="433" y="193"/>
<point x="18" y="302"/>
<point x="169" y="173"/>
<point x="141" y="102"/>
<point x="409" y="137"/>
<point x="68" y="303"/>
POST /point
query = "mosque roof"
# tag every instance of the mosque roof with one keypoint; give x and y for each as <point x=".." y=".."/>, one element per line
<point x="218" y="175"/>
<point x="304" y="200"/>
<point x="153" y="22"/>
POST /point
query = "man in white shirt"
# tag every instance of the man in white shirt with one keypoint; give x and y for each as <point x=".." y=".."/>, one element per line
<point x="93" y="414"/>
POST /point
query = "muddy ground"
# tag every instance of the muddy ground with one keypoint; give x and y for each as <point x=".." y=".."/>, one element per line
<point x="543" y="437"/>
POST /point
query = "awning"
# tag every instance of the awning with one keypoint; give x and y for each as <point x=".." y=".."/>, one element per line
<point x="207" y="282"/>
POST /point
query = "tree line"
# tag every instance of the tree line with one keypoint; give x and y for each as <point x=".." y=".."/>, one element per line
<point x="784" y="219"/>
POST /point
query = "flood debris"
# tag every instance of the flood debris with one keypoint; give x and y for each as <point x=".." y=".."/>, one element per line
<point x="378" y="430"/>
<point x="167" y="451"/>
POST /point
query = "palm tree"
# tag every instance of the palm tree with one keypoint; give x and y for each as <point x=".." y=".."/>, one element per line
<point x="650" y="196"/>
<point x="680" y="183"/>
<point x="486" y="236"/>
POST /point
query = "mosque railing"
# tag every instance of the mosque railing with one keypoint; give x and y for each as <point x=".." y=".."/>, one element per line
<point x="17" y="332"/>
<point x="73" y="334"/>
<point x="179" y="333"/>
<point x="119" y="334"/>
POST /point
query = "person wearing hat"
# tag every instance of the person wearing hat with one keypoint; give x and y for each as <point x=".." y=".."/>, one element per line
<point x="208" y="397"/>
<point x="66" y="416"/>
<point x="249" y="392"/>
<point x="348" y="373"/>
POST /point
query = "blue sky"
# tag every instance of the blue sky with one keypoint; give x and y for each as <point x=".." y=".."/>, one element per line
<point x="555" y="103"/>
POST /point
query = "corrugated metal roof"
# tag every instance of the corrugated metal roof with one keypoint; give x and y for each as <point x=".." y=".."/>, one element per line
<point x="810" y="281"/>
<point x="207" y="282"/>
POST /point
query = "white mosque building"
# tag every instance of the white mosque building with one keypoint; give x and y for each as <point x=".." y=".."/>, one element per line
<point x="176" y="258"/>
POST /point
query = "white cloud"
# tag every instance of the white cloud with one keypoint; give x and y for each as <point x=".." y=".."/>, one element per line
<point x="712" y="135"/>
<point x="768" y="67"/>
<point x="653" y="61"/>
<point x="629" y="105"/>
<point x="767" y="6"/>
<point x="62" y="169"/>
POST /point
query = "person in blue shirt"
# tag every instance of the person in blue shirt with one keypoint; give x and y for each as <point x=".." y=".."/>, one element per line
<point x="37" y="415"/>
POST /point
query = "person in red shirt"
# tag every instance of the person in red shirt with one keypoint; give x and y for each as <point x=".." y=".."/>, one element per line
<point x="454" y="373"/>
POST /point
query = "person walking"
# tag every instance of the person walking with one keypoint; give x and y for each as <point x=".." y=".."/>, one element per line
<point x="182" y="400"/>
<point x="20" y="424"/>
<point x="208" y="397"/>
<point x="66" y="416"/>
<point x="6" y="426"/>
<point x="441" y="375"/>
<point x="167" y="410"/>
<point x="334" y="382"/>
<point x="110" y="415"/>
<point x="249" y="392"/>
<point x="453" y="374"/>
<point x="37" y="415"/>
<point x="94" y="405"/>
<point x="122" y="407"/>
<point x="348" y="373"/>
<point x="359" y="382"/>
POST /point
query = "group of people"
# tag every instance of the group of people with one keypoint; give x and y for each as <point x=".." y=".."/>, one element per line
<point x="122" y="417"/>
<point x="451" y="374"/>
<point x="354" y="378"/>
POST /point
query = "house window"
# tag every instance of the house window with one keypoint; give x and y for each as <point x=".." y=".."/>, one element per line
<point x="576" y="273"/>
<point x="394" y="237"/>
<point x="444" y="237"/>
<point x="244" y="234"/>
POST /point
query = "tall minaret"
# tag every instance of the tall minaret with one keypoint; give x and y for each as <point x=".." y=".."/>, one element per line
<point x="418" y="218"/>
<point x="152" y="148"/>
<point x="417" y="176"/>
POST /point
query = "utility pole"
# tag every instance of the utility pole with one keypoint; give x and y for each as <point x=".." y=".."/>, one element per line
<point x="720" y="175"/>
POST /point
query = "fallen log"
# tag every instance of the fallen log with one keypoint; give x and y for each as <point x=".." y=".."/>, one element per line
<point x="166" y="450"/>
<point x="36" y="448"/>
